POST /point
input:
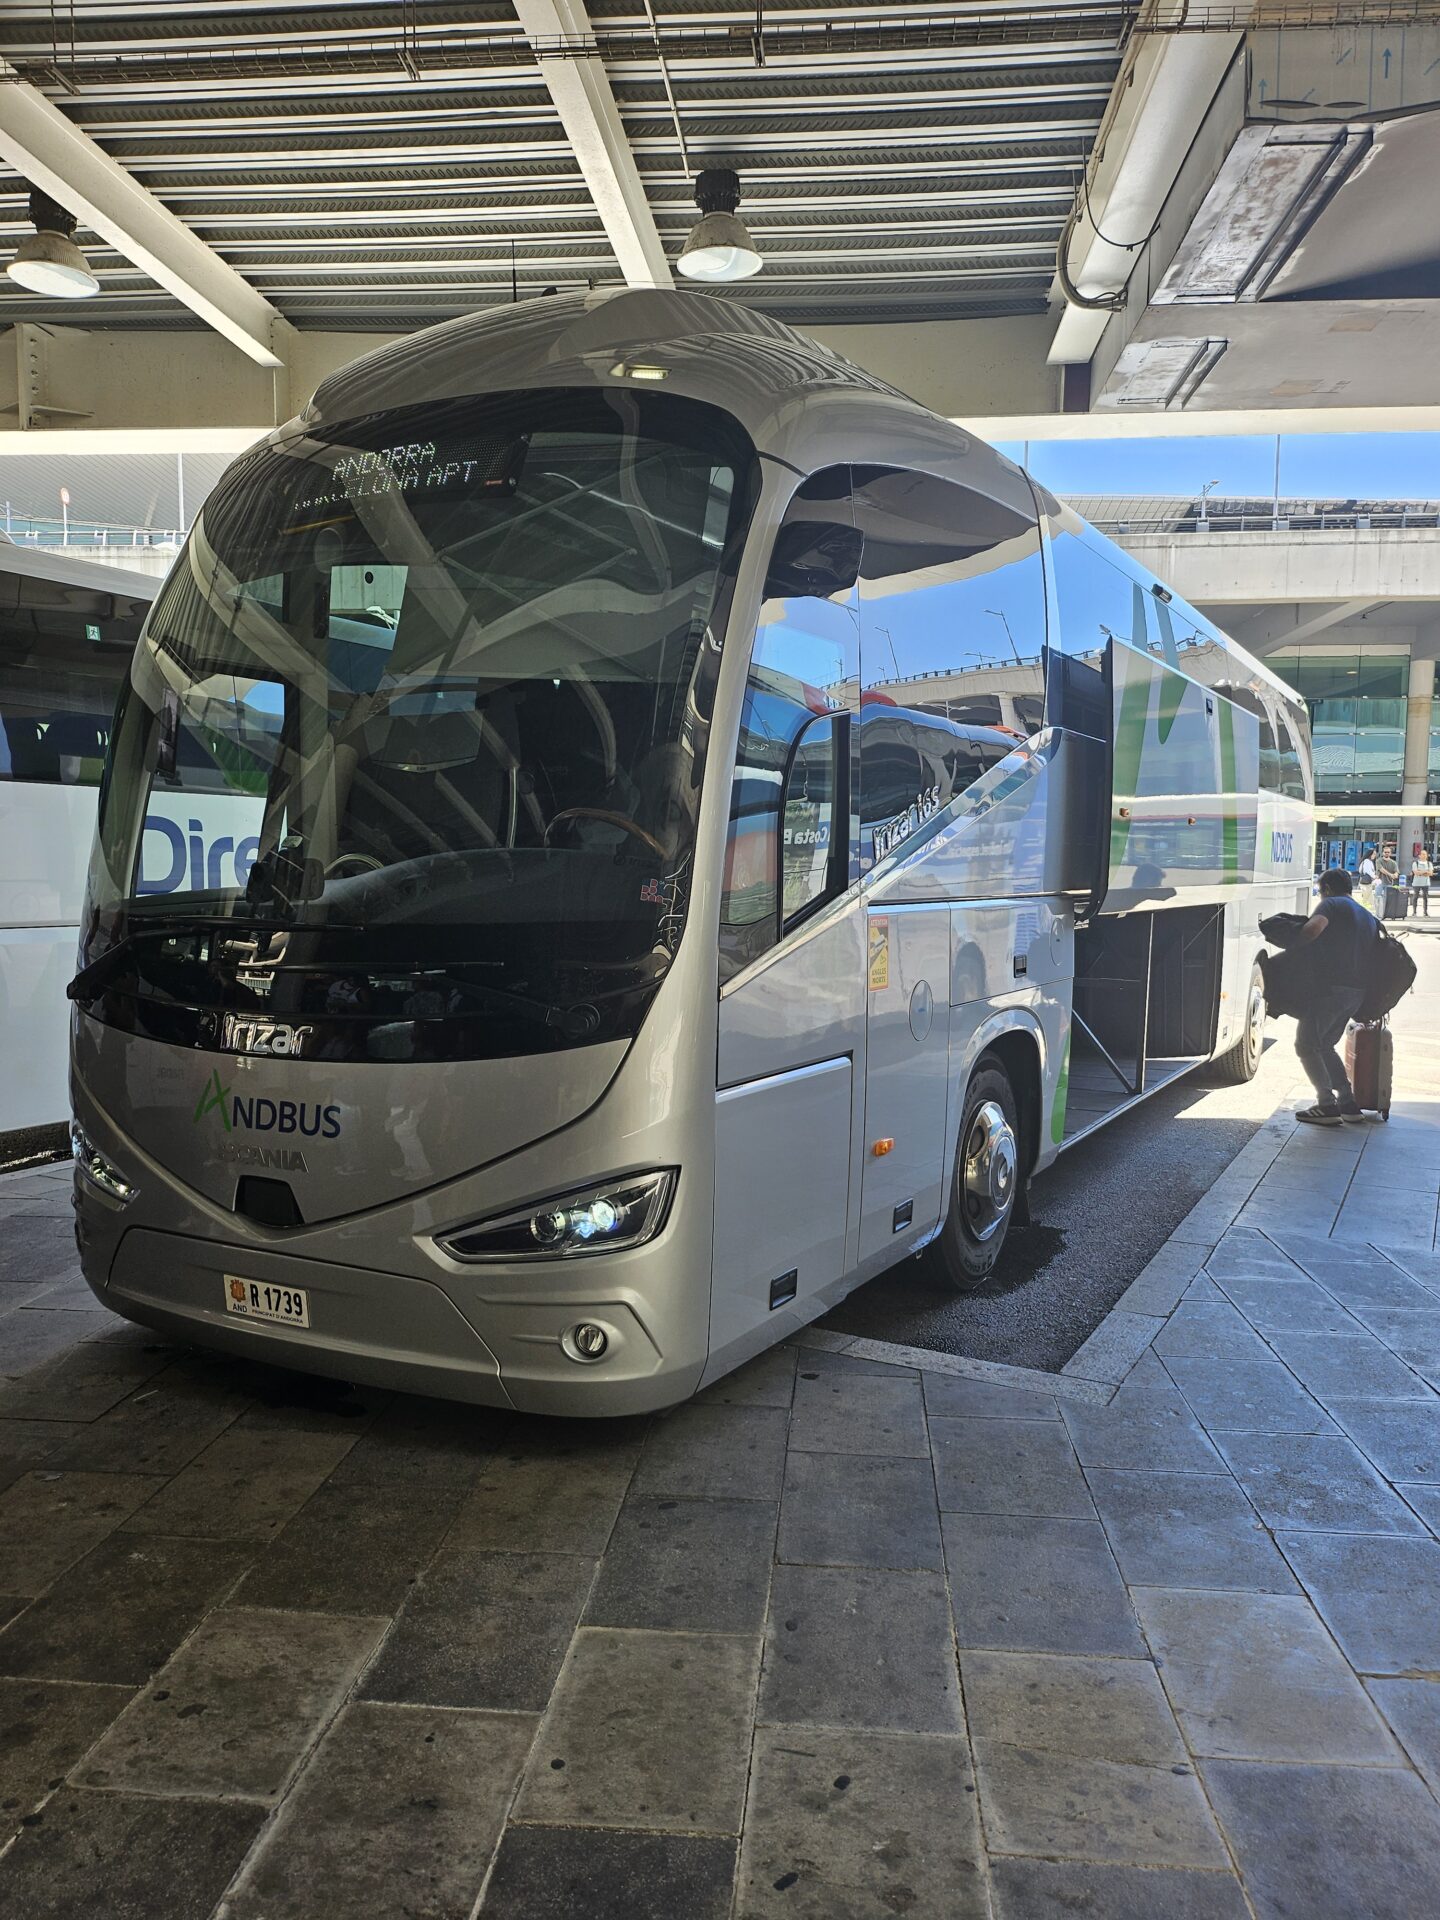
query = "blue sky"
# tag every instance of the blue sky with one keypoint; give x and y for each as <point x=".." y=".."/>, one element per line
<point x="1394" y="466"/>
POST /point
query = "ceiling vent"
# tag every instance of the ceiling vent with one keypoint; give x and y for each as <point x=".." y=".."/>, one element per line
<point x="1272" y="187"/>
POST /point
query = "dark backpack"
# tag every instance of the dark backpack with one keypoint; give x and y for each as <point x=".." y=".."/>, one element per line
<point x="1392" y="974"/>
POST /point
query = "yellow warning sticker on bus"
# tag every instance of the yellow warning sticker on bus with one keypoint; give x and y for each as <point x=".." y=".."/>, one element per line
<point x="879" y="953"/>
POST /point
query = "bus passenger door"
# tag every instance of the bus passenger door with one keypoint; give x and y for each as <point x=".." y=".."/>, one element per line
<point x="790" y="1066"/>
<point x="952" y="626"/>
<point x="906" y="1075"/>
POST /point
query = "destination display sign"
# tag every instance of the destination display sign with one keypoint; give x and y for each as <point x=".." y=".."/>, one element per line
<point x="420" y="467"/>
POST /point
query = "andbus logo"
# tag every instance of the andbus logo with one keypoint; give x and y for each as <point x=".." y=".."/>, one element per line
<point x="266" y="1116"/>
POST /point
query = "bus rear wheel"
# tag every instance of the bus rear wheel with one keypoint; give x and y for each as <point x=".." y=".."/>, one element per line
<point x="985" y="1183"/>
<point x="1242" y="1062"/>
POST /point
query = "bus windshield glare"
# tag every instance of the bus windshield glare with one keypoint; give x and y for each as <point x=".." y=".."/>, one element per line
<point x="413" y="741"/>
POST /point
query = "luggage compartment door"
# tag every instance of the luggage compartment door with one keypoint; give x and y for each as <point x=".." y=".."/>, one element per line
<point x="782" y="1161"/>
<point x="907" y="1075"/>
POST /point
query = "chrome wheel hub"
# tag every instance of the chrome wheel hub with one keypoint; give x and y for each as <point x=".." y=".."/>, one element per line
<point x="990" y="1166"/>
<point x="1255" y="1032"/>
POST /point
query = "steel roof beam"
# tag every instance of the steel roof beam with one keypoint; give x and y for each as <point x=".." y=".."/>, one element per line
<point x="896" y="185"/>
<point x="42" y="145"/>
<point x="863" y="143"/>
<point x="561" y="30"/>
<point x="941" y="206"/>
<point x="549" y="243"/>
<point x="588" y="112"/>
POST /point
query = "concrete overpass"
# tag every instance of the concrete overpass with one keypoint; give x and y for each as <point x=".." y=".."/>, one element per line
<point x="1312" y="585"/>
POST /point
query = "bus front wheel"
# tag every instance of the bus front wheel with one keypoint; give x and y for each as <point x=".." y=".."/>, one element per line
<point x="985" y="1183"/>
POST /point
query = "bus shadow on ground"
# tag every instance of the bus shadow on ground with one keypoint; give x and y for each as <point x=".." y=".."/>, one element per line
<point x="1097" y="1216"/>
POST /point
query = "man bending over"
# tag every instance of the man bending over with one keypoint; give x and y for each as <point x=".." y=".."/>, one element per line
<point x="1344" y="964"/>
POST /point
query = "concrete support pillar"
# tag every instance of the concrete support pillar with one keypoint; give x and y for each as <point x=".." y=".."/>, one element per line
<point x="1416" y="778"/>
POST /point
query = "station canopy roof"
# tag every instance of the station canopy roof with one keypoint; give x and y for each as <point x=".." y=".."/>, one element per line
<point x="379" y="168"/>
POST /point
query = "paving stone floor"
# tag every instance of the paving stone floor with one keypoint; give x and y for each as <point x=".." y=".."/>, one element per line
<point x="841" y="1639"/>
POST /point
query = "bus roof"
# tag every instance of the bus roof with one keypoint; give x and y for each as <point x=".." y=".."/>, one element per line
<point x="701" y="345"/>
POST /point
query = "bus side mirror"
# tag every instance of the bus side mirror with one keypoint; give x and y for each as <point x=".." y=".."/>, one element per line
<point x="813" y="559"/>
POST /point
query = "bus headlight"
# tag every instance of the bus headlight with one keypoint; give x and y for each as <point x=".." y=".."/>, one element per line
<point x="623" y="1212"/>
<point x="100" y="1172"/>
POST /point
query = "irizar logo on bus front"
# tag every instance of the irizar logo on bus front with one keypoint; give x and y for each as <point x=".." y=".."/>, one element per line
<point x="239" y="1034"/>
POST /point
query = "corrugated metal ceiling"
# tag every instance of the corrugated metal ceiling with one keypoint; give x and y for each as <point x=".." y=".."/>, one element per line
<point x="370" y="168"/>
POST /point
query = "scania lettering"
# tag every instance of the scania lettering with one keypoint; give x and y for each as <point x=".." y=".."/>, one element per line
<point x="282" y="1158"/>
<point x="694" y="843"/>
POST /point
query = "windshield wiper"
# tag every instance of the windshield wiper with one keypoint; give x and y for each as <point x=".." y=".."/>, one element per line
<point x="574" y="1022"/>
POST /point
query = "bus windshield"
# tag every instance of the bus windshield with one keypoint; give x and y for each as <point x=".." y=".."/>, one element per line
<point x="421" y="717"/>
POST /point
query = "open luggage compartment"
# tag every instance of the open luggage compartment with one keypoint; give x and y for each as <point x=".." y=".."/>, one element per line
<point x="1147" y="998"/>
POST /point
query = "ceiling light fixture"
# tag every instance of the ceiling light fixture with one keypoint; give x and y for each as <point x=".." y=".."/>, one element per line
<point x="49" y="261"/>
<point x="719" y="247"/>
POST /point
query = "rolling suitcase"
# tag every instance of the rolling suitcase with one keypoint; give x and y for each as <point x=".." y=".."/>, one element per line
<point x="1370" y="1063"/>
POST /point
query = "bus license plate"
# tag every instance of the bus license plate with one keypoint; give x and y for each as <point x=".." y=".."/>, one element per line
<point x="255" y="1300"/>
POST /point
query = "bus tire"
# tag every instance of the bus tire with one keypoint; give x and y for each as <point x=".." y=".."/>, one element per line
<point x="1242" y="1062"/>
<point x="985" y="1184"/>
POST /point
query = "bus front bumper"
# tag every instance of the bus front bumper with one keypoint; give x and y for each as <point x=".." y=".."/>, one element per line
<point x="388" y="1330"/>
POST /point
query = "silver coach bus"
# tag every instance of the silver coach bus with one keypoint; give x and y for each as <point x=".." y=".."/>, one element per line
<point x="700" y="829"/>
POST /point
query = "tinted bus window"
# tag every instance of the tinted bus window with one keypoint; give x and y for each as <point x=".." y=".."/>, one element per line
<point x="790" y="826"/>
<point x="63" y="654"/>
<point x="1294" y="758"/>
<point x="1252" y="701"/>
<point x="952" y="618"/>
<point x="1099" y="601"/>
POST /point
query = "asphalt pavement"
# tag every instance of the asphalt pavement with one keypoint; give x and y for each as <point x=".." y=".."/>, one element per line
<point x="1108" y="1204"/>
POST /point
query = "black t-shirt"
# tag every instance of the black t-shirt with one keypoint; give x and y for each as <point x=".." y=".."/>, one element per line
<point x="1348" y="942"/>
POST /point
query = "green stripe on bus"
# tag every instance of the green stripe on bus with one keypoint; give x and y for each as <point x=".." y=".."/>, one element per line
<point x="1229" y="796"/>
<point x="1172" y="695"/>
<point x="1129" y="746"/>
<point x="1062" y="1095"/>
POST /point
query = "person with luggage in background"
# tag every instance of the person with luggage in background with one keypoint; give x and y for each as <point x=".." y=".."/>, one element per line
<point x="1344" y="965"/>
<point x="1386" y="874"/>
<point x="1366" y="874"/>
<point x="1422" y="871"/>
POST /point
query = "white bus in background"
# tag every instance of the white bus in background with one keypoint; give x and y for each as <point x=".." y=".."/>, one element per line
<point x="721" y="830"/>
<point x="67" y="631"/>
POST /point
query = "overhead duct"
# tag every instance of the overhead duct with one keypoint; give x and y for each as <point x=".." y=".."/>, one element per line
<point x="1159" y="104"/>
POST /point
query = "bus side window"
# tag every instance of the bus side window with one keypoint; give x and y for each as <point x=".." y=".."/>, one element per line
<point x="811" y="839"/>
<point x="1250" y="700"/>
<point x="1292" y="761"/>
<point x="1099" y="600"/>
<point x="790" y="826"/>
<point x="952" y="634"/>
<point x="63" y="655"/>
<point x="1270" y="777"/>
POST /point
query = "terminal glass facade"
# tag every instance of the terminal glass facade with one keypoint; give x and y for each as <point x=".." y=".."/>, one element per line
<point x="1357" y="718"/>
